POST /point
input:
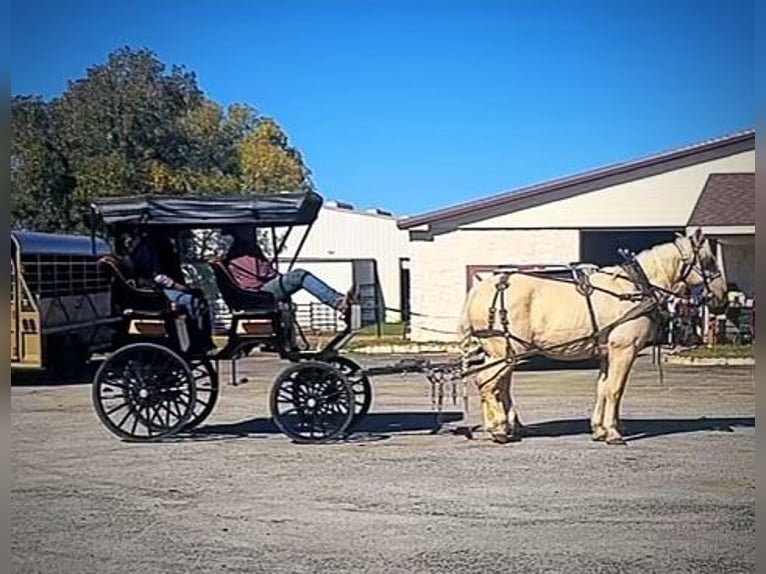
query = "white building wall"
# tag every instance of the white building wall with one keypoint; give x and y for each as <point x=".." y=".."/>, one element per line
<point x="665" y="200"/>
<point x="439" y="270"/>
<point x="739" y="262"/>
<point x="344" y="234"/>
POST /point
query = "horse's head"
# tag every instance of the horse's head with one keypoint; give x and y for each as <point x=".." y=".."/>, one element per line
<point x="700" y="267"/>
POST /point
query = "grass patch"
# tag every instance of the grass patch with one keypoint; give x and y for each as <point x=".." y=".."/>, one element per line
<point x="720" y="352"/>
<point x="387" y="330"/>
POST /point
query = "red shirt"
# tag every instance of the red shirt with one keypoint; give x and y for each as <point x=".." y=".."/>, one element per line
<point x="250" y="272"/>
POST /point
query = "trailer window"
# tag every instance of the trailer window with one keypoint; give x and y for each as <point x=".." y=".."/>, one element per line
<point x="59" y="275"/>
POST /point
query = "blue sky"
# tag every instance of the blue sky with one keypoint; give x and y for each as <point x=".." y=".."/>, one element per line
<point x="416" y="105"/>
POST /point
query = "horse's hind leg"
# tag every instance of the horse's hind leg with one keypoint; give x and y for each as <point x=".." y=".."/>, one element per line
<point x="494" y="404"/>
<point x="509" y="406"/>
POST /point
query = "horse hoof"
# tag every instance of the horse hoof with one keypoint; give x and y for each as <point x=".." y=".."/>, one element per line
<point x="598" y="433"/>
<point x="501" y="438"/>
<point x="618" y="440"/>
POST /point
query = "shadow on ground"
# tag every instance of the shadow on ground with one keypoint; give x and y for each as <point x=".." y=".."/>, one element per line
<point x="42" y="378"/>
<point x="637" y="429"/>
<point x="374" y="426"/>
<point x="383" y="425"/>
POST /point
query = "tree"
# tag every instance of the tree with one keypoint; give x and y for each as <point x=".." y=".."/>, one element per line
<point x="269" y="164"/>
<point x="41" y="181"/>
<point x="130" y="126"/>
<point x="122" y="120"/>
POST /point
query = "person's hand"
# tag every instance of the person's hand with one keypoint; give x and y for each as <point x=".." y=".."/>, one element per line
<point x="167" y="283"/>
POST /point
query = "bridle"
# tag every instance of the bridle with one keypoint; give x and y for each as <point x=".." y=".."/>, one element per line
<point x="694" y="264"/>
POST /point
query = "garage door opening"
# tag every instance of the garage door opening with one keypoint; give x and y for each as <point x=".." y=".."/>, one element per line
<point x="600" y="246"/>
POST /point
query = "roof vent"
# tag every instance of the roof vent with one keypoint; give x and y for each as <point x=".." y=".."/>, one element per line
<point x="378" y="211"/>
<point x="340" y="204"/>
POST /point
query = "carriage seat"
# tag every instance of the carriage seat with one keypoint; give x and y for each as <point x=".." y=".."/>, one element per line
<point x="131" y="299"/>
<point x="146" y="311"/>
<point x="256" y="315"/>
<point x="237" y="298"/>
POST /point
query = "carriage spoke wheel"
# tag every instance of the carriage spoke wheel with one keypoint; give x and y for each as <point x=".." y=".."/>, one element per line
<point x="144" y="392"/>
<point x="312" y="402"/>
<point x="206" y="385"/>
<point x="360" y="386"/>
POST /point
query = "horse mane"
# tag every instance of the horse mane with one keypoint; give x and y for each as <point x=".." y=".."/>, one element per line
<point x="648" y="258"/>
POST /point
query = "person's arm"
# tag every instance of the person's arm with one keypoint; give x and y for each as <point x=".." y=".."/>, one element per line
<point x="168" y="283"/>
<point x="264" y="269"/>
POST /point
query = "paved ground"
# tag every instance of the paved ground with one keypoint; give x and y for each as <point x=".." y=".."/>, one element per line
<point x="238" y="497"/>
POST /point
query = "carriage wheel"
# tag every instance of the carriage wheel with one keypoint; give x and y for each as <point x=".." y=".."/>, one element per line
<point x="312" y="402"/>
<point x="144" y="392"/>
<point x="206" y="384"/>
<point x="360" y="386"/>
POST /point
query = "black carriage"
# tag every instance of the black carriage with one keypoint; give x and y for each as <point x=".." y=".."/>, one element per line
<point x="154" y="383"/>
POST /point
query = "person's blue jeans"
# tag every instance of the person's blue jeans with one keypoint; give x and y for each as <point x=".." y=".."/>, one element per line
<point x="293" y="281"/>
<point x="195" y="307"/>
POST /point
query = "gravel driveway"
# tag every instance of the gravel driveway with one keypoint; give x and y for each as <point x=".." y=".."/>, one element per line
<point x="239" y="497"/>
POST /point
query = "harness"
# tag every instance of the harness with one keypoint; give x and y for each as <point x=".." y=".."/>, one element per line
<point x="650" y="302"/>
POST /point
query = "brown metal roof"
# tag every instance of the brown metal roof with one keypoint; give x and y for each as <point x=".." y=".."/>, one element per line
<point x="726" y="199"/>
<point x="583" y="182"/>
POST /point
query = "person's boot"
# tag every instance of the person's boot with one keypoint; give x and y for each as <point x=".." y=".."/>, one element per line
<point x="348" y="299"/>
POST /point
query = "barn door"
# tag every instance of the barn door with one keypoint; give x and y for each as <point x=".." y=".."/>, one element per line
<point x="365" y="277"/>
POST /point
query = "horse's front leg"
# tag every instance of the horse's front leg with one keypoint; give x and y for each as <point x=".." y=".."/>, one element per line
<point x="620" y="362"/>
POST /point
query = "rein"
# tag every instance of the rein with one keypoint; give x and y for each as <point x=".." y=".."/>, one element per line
<point x="649" y="297"/>
<point x="649" y="303"/>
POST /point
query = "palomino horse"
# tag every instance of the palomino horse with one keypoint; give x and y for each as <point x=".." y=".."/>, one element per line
<point x="611" y="313"/>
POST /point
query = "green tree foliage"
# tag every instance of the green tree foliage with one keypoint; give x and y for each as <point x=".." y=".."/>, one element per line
<point x="268" y="162"/>
<point x="41" y="182"/>
<point x="130" y="126"/>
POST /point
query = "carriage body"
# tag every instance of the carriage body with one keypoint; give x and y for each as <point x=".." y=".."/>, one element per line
<point x="156" y="382"/>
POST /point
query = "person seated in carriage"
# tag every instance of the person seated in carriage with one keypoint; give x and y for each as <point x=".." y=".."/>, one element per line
<point x="154" y="261"/>
<point x="252" y="270"/>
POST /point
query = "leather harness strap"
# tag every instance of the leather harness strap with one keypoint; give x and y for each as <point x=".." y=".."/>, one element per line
<point x="648" y="304"/>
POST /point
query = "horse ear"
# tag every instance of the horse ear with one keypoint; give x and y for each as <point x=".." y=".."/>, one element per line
<point x="697" y="237"/>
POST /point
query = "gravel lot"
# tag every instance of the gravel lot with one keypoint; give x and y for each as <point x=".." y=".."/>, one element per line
<point x="239" y="497"/>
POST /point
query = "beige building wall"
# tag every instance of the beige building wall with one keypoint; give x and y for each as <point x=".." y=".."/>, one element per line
<point x="549" y="233"/>
<point x="439" y="270"/>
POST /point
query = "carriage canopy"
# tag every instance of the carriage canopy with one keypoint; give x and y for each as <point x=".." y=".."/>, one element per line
<point x="262" y="210"/>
